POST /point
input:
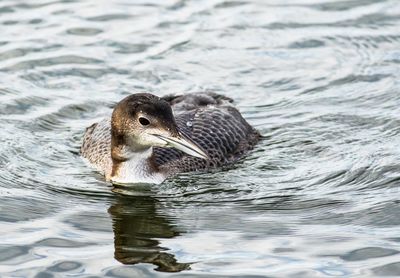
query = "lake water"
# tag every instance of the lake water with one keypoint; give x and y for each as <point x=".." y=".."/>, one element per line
<point x="318" y="197"/>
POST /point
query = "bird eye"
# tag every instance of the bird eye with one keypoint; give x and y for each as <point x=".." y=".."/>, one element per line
<point x="144" y="121"/>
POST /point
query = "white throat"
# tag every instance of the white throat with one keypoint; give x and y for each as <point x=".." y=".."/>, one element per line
<point x="136" y="169"/>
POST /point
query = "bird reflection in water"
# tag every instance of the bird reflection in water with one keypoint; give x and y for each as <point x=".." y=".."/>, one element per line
<point x="137" y="225"/>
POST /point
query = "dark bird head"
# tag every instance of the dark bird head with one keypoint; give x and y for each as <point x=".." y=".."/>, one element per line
<point x="140" y="121"/>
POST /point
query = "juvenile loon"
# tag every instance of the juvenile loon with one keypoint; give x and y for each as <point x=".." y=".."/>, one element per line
<point x="148" y="139"/>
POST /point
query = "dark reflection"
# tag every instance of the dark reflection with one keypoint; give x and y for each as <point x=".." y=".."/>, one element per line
<point x="137" y="225"/>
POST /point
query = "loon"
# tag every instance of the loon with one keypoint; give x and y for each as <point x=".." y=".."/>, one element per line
<point x="148" y="139"/>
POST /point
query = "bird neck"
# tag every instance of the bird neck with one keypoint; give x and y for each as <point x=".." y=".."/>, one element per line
<point x="133" y="166"/>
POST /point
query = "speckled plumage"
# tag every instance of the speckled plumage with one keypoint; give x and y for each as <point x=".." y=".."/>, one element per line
<point x="208" y="119"/>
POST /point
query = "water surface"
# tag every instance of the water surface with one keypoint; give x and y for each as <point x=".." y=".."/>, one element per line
<point x="318" y="197"/>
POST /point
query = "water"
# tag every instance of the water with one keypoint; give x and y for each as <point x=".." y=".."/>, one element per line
<point x="318" y="197"/>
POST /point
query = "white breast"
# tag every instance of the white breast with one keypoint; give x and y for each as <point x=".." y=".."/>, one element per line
<point x="136" y="170"/>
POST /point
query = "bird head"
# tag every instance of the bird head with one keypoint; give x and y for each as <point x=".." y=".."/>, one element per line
<point x="140" y="121"/>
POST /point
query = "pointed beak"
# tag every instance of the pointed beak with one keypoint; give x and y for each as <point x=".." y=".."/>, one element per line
<point x="184" y="144"/>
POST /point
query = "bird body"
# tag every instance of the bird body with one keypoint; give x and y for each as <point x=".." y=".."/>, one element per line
<point x="149" y="139"/>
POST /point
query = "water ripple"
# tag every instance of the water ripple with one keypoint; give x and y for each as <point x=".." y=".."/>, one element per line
<point x="317" y="197"/>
